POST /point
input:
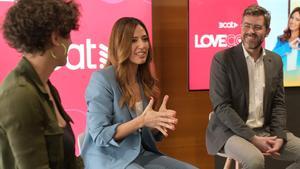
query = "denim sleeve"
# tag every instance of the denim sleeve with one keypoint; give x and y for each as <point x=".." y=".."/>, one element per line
<point x="282" y="48"/>
<point x="99" y="98"/>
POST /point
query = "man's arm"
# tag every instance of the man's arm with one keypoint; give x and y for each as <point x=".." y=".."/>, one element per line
<point x="278" y="117"/>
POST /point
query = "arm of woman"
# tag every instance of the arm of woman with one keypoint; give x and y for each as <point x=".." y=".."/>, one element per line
<point x="99" y="99"/>
<point x="282" y="47"/>
<point x="22" y="121"/>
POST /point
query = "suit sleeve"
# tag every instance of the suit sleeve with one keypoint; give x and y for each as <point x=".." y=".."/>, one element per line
<point x="99" y="98"/>
<point x="24" y="126"/>
<point x="282" y="48"/>
<point x="221" y="98"/>
<point x="278" y="119"/>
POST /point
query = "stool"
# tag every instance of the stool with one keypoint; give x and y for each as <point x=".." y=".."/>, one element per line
<point x="228" y="161"/>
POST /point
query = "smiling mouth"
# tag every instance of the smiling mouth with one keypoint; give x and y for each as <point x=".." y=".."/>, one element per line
<point x="141" y="53"/>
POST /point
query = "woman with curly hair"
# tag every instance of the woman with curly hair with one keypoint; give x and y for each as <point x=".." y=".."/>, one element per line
<point x="122" y="127"/>
<point x="288" y="47"/>
<point x="35" y="131"/>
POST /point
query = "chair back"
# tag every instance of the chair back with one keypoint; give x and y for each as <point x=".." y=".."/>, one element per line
<point x="210" y="114"/>
<point x="80" y="141"/>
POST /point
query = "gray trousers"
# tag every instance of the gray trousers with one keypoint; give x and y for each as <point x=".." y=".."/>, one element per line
<point x="251" y="157"/>
<point x="149" y="160"/>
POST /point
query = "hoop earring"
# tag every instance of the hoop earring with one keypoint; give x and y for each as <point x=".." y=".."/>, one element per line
<point x="65" y="48"/>
<point x="52" y="55"/>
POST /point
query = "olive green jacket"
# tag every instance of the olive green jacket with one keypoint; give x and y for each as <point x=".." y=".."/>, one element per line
<point x="30" y="137"/>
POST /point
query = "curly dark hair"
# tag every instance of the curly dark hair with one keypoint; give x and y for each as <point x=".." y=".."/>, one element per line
<point x="28" y="24"/>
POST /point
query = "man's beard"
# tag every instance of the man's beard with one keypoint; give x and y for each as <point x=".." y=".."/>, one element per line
<point x="254" y="43"/>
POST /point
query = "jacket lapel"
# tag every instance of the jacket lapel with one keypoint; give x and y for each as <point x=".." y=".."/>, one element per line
<point x="240" y="63"/>
<point x="268" y="78"/>
<point x="144" y="100"/>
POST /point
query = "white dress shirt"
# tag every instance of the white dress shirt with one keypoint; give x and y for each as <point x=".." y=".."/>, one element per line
<point x="256" y="75"/>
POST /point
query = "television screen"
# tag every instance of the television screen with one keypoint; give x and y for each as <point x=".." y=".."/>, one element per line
<point x="214" y="25"/>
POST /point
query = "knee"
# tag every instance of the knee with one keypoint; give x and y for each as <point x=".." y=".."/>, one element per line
<point x="255" y="161"/>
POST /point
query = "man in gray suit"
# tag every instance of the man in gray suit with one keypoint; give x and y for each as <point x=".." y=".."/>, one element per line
<point x="247" y="94"/>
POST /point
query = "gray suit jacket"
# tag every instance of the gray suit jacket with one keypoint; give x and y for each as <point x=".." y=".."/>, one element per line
<point x="229" y="94"/>
<point x="99" y="150"/>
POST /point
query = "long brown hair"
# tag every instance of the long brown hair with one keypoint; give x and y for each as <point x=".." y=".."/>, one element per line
<point x="287" y="32"/>
<point x="120" y="43"/>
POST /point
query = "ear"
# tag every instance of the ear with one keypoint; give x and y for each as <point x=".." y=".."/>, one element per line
<point x="55" y="39"/>
<point x="268" y="31"/>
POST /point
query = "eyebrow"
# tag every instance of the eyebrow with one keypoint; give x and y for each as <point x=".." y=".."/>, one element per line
<point x="141" y="36"/>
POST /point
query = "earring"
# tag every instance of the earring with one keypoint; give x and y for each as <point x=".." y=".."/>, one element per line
<point x="65" y="48"/>
<point x="52" y="55"/>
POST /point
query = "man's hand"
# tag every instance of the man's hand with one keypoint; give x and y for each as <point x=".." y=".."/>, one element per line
<point x="263" y="143"/>
<point x="276" y="145"/>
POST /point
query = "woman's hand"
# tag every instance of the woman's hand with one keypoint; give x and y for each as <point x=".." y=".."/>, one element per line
<point x="161" y="120"/>
<point x="295" y="43"/>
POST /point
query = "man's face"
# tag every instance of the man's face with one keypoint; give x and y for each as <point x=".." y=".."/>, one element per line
<point x="253" y="32"/>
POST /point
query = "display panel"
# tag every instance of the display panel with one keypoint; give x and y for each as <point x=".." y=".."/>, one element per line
<point x="214" y="25"/>
<point x="87" y="53"/>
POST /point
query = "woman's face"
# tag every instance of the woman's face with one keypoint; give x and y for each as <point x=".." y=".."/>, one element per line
<point x="139" y="46"/>
<point x="294" y="22"/>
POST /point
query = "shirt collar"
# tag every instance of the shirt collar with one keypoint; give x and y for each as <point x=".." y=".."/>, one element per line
<point x="247" y="55"/>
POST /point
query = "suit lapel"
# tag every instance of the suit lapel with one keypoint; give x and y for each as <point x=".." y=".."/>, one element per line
<point x="240" y="63"/>
<point x="144" y="100"/>
<point x="268" y="77"/>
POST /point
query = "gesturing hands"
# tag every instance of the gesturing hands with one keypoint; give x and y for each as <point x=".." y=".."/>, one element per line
<point x="269" y="146"/>
<point x="295" y="43"/>
<point x="163" y="120"/>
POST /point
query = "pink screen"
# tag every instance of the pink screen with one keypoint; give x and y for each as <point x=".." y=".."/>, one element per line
<point x="213" y="25"/>
<point x="87" y="53"/>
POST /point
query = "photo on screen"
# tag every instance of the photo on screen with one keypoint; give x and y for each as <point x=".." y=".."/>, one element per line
<point x="211" y="31"/>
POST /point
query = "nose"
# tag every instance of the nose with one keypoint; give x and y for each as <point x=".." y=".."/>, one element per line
<point x="142" y="44"/>
<point x="251" y="29"/>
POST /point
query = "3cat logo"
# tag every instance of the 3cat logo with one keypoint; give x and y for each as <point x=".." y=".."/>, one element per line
<point x="227" y="25"/>
<point x="86" y="55"/>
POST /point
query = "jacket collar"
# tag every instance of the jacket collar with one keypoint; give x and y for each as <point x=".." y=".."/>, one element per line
<point x="28" y="71"/>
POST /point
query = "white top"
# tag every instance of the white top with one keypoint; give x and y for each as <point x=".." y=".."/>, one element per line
<point x="256" y="75"/>
<point x="139" y="108"/>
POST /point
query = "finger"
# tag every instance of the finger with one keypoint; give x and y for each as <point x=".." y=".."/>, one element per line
<point x="170" y="120"/>
<point x="272" y="142"/>
<point x="169" y="113"/>
<point x="163" y="131"/>
<point x="266" y="154"/>
<point x="167" y="126"/>
<point x="266" y="148"/>
<point x="270" y="138"/>
<point x="276" y="154"/>
<point x="150" y="104"/>
<point x="272" y="150"/>
<point x="163" y="105"/>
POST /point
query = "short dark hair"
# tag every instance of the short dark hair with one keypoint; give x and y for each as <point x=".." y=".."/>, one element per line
<point x="255" y="10"/>
<point x="28" y="24"/>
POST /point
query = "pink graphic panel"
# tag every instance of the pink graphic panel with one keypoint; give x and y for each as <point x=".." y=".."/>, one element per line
<point x="87" y="53"/>
<point x="213" y="25"/>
